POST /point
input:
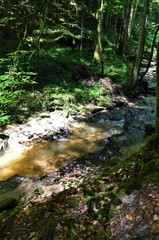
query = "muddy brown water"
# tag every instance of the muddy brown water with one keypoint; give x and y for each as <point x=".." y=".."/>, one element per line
<point x="48" y="156"/>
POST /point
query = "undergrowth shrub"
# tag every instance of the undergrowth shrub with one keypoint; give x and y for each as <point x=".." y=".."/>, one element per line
<point x="27" y="86"/>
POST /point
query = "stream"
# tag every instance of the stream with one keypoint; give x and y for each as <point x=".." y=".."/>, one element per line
<point x="48" y="156"/>
<point x="43" y="156"/>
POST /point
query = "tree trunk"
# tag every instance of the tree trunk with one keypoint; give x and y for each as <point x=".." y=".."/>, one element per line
<point x="107" y="17"/>
<point x="157" y="94"/>
<point x="122" y="40"/>
<point x="132" y="17"/>
<point x="151" y="55"/>
<point x="98" y="46"/>
<point x="81" y="41"/>
<point x="140" y="49"/>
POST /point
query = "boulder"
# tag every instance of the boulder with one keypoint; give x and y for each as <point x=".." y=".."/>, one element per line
<point x="82" y="73"/>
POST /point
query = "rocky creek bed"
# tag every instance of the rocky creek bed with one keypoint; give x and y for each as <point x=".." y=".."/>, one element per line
<point x="134" y="116"/>
<point x="72" y="203"/>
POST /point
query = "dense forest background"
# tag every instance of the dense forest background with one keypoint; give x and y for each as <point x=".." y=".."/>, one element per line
<point x="49" y="48"/>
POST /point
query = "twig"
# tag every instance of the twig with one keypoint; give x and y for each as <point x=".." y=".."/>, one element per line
<point x="22" y="229"/>
<point x="140" y="237"/>
<point x="121" y="234"/>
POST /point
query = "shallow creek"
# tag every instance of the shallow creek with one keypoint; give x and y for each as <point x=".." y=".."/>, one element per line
<point x="24" y="169"/>
<point x="49" y="165"/>
<point x="48" y="156"/>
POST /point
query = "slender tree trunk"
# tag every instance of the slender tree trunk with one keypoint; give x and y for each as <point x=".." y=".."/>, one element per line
<point x="98" y="46"/>
<point x="122" y="39"/>
<point x="41" y="29"/>
<point x="151" y="55"/>
<point x="132" y="16"/>
<point x="126" y="25"/>
<point x="157" y="94"/>
<point x="81" y="42"/>
<point x="107" y="17"/>
<point x="116" y="24"/>
<point x="90" y="4"/>
<point x="140" y="49"/>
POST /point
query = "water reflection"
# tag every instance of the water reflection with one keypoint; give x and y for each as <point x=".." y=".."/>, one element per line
<point x="46" y="156"/>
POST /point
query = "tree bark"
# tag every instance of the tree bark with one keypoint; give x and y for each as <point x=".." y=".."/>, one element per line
<point x="157" y="94"/>
<point x="134" y="5"/>
<point x="81" y="41"/>
<point x="107" y="17"/>
<point x="98" y="46"/>
<point x="140" y="48"/>
<point x="122" y="38"/>
<point x="151" y="55"/>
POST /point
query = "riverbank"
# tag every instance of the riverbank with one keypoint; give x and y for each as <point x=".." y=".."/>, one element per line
<point x="85" y="200"/>
<point x="131" y="116"/>
<point x="106" y="205"/>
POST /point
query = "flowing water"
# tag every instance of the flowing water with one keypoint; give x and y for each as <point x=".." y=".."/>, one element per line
<point x="48" y="156"/>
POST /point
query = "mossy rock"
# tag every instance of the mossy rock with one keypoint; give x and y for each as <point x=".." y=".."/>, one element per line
<point x="7" y="204"/>
<point x="149" y="129"/>
<point x="3" y="136"/>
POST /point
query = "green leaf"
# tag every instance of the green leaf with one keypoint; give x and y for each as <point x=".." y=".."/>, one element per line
<point x="101" y="181"/>
<point x="74" y="232"/>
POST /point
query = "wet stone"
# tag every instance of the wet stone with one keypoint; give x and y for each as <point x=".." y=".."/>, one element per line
<point x="3" y="145"/>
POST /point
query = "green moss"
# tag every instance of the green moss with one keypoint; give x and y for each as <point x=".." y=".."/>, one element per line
<point x="16" y="210"/>
<point x="152" y="177"/>
<point x="7" y="204"/>
<point x="111" y="161"/>
<point x="73" y="203"/>
<point x="150" y="167"/>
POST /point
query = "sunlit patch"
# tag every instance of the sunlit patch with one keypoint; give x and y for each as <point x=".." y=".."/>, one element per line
<point x="6" y="173"/>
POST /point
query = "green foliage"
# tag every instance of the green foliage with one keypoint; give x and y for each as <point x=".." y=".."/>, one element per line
<point x="151" y="167"/>
<point x="71" y="96"/>
<point x="116" y="67"/>
<point x="4" y="119"/>
<point x="64" y="61"/>
<point x="152" y="177"/>
<point x="150" y="141"/>
<point x="13" y="83"/>
<point x="18" y="98"/>
<point x="16" y="210"/>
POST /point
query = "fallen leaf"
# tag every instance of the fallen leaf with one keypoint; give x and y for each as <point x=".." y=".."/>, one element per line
<point x="100" y="193"/>
<point x="74" y="231"/>
<point x="129" y="217"/>
<point x="138" y="218"/>
<point x="155" y="217"/>
<point x="101" y="181"/>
